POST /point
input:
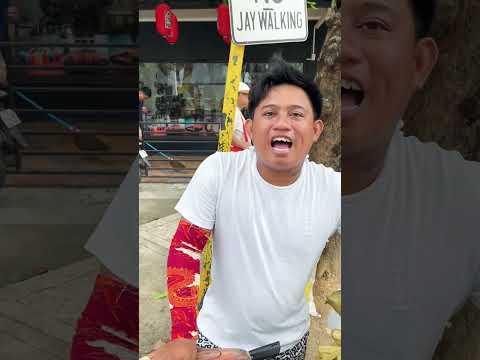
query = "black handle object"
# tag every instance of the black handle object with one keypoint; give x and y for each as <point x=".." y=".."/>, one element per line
<point x="264" y="352"/>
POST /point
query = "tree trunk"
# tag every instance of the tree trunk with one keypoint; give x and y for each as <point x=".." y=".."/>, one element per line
<point x="327" y="152"/>
<point x="327" y="149"/>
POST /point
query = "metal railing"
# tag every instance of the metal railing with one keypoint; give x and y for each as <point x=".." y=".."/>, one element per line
<point x="64" y="121"/>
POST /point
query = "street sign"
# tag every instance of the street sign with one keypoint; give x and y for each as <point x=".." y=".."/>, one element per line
<point x="268" y="21"/>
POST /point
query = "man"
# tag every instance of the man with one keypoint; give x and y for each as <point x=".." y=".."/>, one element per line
<point x="410" y="254"/>
<point x="271" y="212"/>
<point x="143" y="95"/>
<point x="240" y="138"/>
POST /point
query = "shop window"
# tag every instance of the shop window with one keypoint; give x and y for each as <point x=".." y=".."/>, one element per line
<point x="80" y="23"/>
<point x="187" y="98"/>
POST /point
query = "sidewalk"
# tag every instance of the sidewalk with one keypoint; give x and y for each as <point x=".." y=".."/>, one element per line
<point x="154" y="313"/>
<point x="158" y="221"/>
<point x="46" y="276"/>
<point x="46" y="228"/>
<point x="38" y="316"/>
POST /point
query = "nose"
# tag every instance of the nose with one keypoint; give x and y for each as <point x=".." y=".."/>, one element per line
<point x="350" y="52"/>
<point x="282" y="122"/>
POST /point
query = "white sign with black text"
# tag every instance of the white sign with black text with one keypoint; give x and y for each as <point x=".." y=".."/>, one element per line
<point x="268" y="21"/>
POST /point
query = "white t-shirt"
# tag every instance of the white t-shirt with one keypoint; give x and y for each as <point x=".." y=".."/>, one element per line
<point x="267" y="241"/>
<point x="410" y="252"/>
<point x="115" y="240"/>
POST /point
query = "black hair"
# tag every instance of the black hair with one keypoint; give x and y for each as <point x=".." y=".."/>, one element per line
<point x="423" y="13"/>
<point x="281" y="73"/>
<point x="146" y="90"/>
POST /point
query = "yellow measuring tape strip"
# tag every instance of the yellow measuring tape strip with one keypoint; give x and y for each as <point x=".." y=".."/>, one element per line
<point x="234" y="73"/>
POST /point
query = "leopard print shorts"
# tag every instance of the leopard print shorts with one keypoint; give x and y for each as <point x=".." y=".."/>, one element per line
<point x="297" y="352"/>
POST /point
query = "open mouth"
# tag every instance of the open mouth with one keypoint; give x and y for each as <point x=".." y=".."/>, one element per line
<point x="281" y="143"/>
<point x="352" y="94"/>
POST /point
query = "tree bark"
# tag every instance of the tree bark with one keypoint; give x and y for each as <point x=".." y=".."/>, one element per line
<point x="327" y="152"/>
<point x="327" y="149"/>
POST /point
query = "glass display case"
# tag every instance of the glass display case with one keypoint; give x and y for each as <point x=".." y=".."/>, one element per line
<point x="62" y="36"/>
<point x="187" y="98"/>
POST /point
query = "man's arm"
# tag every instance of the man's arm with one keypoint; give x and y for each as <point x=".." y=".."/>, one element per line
<point x="183" y="278"/>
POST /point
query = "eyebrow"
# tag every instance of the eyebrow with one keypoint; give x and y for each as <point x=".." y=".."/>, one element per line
<point x="380" y="6"/>
<point x="289" y="106"/>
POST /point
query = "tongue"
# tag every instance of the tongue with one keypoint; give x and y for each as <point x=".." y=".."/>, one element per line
<point x="280" y="146"/>
<point x="348" y="99"/>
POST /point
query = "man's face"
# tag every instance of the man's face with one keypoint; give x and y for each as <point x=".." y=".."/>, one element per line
<point x="242" y="100"/>
<point x="382" y="65"/>
<point x="141" y="96"/>
<point x="284" y="128"/>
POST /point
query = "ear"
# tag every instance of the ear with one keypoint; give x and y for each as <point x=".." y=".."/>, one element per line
<point x="318" y="127"/>
<point x="249" y="128"/>
<point x="426" y="56"/>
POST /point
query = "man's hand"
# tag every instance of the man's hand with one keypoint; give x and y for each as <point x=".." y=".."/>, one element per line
<point x="179" y="349"/>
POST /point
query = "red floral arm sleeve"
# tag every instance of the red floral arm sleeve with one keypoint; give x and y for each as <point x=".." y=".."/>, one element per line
<point x="183" y="278"/>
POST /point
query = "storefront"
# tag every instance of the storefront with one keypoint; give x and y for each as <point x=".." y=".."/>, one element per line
<point x="65" y="43"/>
<point x="187" y="79"/>
<point x="72" y="70"/>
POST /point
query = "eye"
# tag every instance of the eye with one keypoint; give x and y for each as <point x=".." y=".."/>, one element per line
<point x="374" y="26"/>
<point x="268" y="114"/>
<point x="297" y="115"/>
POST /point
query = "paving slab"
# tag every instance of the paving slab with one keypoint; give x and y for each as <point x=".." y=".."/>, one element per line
<point x="38" y="316"/>
<point x="45" y="228"/>
<point x="155" y="240"/>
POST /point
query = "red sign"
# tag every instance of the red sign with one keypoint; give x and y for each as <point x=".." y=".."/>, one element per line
<point x="223" y="23"/>
<point x="166" y="23"/>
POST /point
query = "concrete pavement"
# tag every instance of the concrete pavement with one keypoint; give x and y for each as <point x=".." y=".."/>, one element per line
<point x="158" y="221"/>
<point x="44" y="229"/>
<point x="154" y="312"/>
<point x="46" y="276"/>
<point x="38" y="316"/>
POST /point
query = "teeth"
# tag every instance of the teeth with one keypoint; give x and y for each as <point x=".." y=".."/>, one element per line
<point x="351" y="85"/>
<point x="284" y="139"/>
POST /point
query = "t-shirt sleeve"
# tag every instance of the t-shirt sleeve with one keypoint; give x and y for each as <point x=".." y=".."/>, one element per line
<point x="198" y="202"/>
